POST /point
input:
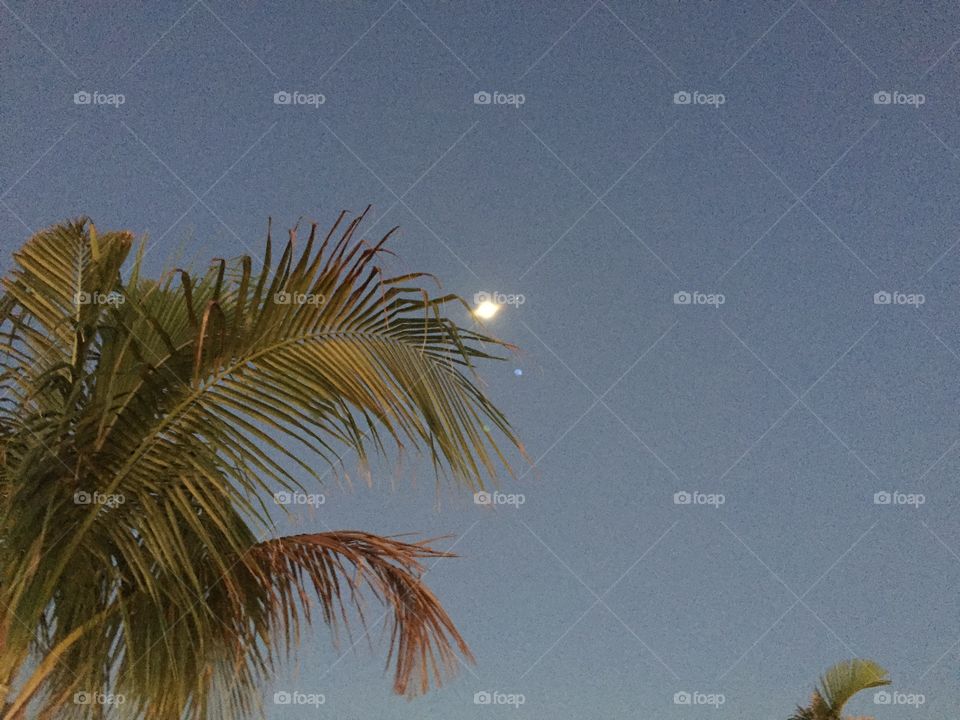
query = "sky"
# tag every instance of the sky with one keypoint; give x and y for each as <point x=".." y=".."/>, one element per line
<point x="730" y="238"/>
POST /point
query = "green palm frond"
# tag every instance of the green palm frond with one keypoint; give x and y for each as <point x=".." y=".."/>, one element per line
<point x="837" y="685"/>
<point x="845" y="679"/>
<point x="144" y="423"/>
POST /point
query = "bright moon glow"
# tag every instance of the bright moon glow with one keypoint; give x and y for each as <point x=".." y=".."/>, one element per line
<point x="486" y="310"/>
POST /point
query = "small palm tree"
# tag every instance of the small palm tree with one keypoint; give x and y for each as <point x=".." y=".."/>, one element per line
<point x="840" y="683"/>
<point x="144" y="425"/>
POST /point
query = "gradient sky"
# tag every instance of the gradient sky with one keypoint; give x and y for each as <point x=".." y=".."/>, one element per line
<point x="597" y="200"/>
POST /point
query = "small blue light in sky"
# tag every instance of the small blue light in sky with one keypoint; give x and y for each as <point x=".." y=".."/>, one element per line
<point x="518" y="372"/>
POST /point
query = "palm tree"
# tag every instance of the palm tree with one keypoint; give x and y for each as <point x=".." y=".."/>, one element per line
<point x="840" y="683"/>
<point x="144" y="424"/>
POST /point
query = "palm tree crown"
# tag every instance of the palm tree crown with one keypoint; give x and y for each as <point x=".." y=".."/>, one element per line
<point x="144" y="425"/>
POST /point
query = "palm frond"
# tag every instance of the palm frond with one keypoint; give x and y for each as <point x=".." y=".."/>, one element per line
<point x="837" y="685"/>
<point x="845" y="679"/>
<point x="337" y="566"/>
<point x="185" y="402"/>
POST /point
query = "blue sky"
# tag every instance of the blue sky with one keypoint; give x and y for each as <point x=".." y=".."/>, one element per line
<point x="787" y="187"/>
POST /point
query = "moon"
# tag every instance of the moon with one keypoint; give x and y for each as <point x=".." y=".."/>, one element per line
<point x="486" y="310"/>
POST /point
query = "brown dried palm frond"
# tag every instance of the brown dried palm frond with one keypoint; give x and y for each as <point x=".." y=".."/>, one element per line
<point x="338" y="566"/>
